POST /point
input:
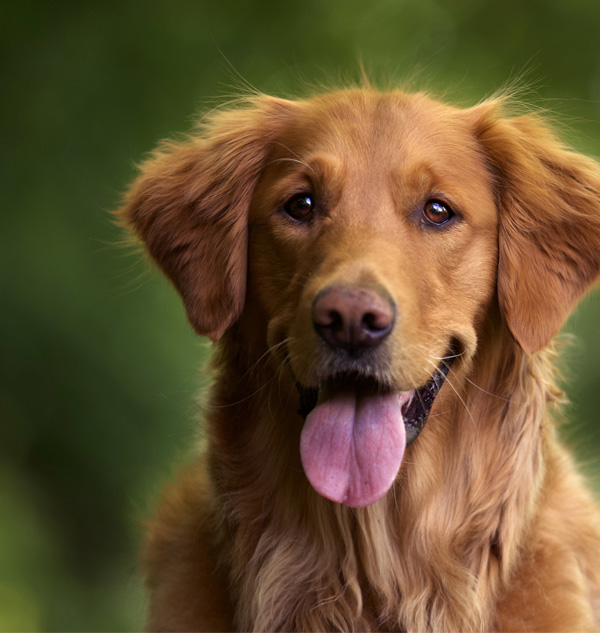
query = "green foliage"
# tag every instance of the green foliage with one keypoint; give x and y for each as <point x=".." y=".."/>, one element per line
<point x="98" y="368"/>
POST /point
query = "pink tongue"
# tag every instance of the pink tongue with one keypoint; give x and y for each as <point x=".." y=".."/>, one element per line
<point x="352" y="448"/>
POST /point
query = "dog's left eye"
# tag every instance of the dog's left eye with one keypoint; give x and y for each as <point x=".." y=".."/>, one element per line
<point x="300" y="207"/>
<point x="437" y="212"/>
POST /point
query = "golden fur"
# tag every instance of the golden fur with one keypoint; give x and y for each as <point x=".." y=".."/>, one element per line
<point x="487" y="526"/>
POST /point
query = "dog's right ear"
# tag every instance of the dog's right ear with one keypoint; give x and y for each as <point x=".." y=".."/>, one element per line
<point x="189" y="206"/>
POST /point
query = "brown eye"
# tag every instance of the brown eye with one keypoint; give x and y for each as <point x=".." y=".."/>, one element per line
<point x="300" y="207"/>
<point x="437" y="212"/>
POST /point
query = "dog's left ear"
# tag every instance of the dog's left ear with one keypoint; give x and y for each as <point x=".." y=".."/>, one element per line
<point x="548" y="200"/>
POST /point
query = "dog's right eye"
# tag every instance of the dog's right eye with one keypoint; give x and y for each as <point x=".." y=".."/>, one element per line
<point x="300" y="207"/>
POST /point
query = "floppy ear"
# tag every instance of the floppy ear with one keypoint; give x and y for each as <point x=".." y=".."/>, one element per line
<point x="189" y="206"/>
<point x="548" y="200"/>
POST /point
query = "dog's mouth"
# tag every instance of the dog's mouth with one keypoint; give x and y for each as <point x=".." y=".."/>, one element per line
<point x="356" y="431"/>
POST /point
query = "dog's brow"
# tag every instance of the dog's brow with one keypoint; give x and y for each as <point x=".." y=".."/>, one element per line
<point x="290" y="160"/>
<point x="291" y="151"/>
<point x="419" y="176"/>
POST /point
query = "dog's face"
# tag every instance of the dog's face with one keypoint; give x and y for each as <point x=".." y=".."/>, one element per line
<point x="373" y="261"/>
<point x="364" y="236"/>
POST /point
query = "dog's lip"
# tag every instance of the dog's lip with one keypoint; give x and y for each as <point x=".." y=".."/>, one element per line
<point x="415" y="411"/>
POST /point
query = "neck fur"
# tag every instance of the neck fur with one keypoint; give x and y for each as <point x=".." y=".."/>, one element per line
<point x="434" y="552"/>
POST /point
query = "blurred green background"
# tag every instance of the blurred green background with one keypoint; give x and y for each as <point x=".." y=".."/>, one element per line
<point x="98" y="367"/>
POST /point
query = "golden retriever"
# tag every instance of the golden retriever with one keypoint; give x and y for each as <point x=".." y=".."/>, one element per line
<point x="368" y="262"/>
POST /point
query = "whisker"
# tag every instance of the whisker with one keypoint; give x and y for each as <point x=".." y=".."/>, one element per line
<point x="489" y="393"/>
<point x="439" y="414"/>
<point x="432" y="335"/>
<point x="449" y="381"/>
<point x="279" y="372"/>
<point x="291" y="151"/>
<point x="269" y="351"/>
<point x="245" y="399"/>
<point x="431" y="355"/>
<point x="465" y="405"/>
<point x="289" y="160"/>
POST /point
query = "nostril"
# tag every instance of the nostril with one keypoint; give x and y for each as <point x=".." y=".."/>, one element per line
<point x="332" y="319"/>
<point x="331" y="326"/>
<point x="378" y="323"/>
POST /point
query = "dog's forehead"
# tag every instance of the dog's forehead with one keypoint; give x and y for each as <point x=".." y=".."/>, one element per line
<point x="389" y="130"/>
<point x="395" y="144"/>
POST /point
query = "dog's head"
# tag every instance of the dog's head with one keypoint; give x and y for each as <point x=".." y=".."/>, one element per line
<point x="367" y="237"/>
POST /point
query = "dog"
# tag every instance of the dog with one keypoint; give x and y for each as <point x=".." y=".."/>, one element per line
<point x="383" y="275"/>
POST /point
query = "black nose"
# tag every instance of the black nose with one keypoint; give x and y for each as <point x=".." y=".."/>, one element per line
<point x="352" y="318"/>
